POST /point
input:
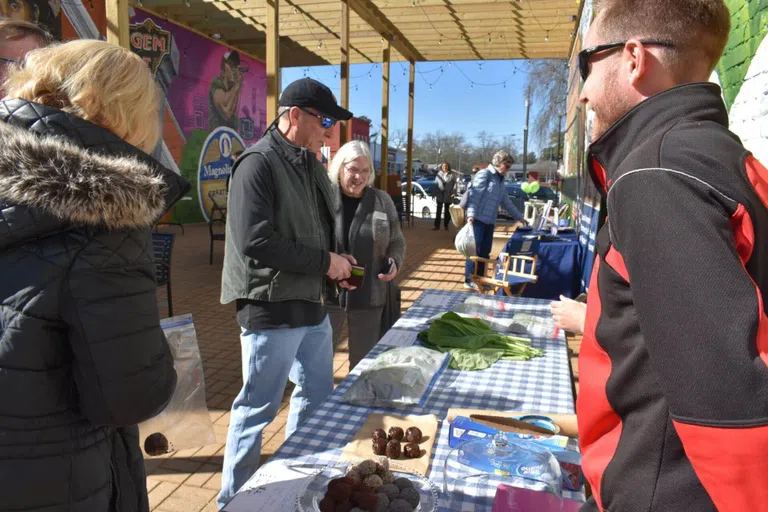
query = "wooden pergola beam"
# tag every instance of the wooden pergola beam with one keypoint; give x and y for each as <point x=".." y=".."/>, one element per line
<point x="376" y="19"/>
<point x="345" y="127"/>
<point x="409" y="146"/>
<point x="118" y="23"/>
<point x="273" y="57"/>
<point x="385" y="116"/>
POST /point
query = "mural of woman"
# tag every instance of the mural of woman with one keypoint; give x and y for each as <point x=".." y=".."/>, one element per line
<point x="46" y="13"/>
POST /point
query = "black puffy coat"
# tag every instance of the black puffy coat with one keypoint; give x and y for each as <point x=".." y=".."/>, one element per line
<point x="82" y="356"/>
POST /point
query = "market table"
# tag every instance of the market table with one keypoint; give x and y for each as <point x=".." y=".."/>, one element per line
<point x="541" y="384"/>
<point x="558" y="265"/>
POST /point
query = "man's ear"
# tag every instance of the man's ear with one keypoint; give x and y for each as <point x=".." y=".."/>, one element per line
<point x="293" y="115"/>
<point x="635" y="57"/>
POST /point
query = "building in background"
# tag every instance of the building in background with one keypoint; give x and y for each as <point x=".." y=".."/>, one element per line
<point x="396" y="159"/>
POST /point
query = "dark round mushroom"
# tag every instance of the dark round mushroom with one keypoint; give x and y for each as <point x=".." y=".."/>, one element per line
<point x="412" y="451"/>
<point x="396" y="433"/>
<point x="413" y="435"/>
<point x="380" y="446"/>
<point x="379" y="434"/>
<point x="156" y="444"/>
<point x="393" y="449"/>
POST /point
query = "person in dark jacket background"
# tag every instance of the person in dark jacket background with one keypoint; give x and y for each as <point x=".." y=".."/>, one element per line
<point x="445" y="187"/>
<point x="82" y="356"/>
<point x="368" y="228"/>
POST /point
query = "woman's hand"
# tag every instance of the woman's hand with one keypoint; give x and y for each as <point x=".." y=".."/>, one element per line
<point x="388" y="277"/>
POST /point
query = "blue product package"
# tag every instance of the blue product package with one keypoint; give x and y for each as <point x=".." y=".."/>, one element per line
<point x="564" y="449"/>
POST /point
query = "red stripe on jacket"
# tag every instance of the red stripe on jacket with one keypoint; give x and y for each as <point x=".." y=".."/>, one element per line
<point x="599" y="426"/>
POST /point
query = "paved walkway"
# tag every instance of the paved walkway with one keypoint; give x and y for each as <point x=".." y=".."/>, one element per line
<point x="189" y="480"/>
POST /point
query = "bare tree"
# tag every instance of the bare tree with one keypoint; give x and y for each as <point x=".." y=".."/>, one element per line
<point x="548" y="81"/>
<point x="511" y="144"/>
<point x="486" y="145"/>
<point x="398" y="139"/>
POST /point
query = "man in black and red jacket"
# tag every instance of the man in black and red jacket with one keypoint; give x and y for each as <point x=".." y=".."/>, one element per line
<point x="673" y="405"/>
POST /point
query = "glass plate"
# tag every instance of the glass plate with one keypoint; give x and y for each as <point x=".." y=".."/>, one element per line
<point x="309" y="496"/>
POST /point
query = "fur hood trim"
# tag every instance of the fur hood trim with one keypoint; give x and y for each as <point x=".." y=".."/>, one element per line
<point x="56" y="176"/>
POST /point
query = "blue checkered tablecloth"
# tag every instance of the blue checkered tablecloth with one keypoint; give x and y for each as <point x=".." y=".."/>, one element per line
<point x="541" y="384"/>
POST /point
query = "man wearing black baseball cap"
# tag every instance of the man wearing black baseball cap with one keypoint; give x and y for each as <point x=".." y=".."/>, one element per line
<point x="279" y="253"/>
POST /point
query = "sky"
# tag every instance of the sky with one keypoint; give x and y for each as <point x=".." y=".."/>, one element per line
<point x="456" y="99"/>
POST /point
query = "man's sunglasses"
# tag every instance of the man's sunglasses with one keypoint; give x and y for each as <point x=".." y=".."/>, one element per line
<point x="586" y="54"/>
<point x="326" y="122"/>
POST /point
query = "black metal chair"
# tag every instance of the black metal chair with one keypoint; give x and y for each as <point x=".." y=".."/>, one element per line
<point x="162" y="247"/>
<point x="218" y="216"/>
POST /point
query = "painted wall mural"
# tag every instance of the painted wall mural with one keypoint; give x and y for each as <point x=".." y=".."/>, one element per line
<point x="215" y="106"/>
<point x="214" y="98"/>
<point x="45" y="13"/>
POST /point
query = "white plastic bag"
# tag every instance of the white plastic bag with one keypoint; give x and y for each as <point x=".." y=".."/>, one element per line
<point x="397" y="378"/>
<point x="465" y="241"/>
<point x="185" y="422"/>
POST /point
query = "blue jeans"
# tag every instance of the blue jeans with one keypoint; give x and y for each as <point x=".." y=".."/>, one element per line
<point x="483" y="243"/>
<point x="270" y="358"/>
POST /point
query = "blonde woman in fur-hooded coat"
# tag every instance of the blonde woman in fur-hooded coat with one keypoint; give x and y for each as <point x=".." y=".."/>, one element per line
<point x="82" y="356"/>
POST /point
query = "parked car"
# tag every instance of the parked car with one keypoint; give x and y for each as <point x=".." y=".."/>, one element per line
<point x="424" y="205"/>
<point x="519" y="197"/>
<point x="428" y="184"/>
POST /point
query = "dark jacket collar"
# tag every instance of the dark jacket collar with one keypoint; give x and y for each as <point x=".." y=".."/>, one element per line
<point x="689" y="102"/>
<point x="59" y="170"/>
<point x="296" y="155"/>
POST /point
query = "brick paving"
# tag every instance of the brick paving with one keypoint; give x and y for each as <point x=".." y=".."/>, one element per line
<point x="189" y="480"/>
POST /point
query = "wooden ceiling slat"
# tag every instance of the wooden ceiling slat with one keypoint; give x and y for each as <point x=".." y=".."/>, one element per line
<point x="517" y="28"/>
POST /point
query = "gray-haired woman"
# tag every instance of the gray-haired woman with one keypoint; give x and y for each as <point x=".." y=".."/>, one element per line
<point x="368" y="228"/>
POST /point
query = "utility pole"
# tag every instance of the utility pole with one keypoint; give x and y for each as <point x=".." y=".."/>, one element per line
<point x="560" y="140"/>
<point x="525" y="132"/>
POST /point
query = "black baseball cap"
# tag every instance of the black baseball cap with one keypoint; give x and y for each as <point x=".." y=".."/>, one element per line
<point x="312" y="94"/>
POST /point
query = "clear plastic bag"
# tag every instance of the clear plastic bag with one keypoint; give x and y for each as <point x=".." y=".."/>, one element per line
<point x="465" y="241"/>
<point x="185" y="422"/>
<point x="534" y="325"/>
<point x="484" y="314"/>
<point x="397" y="378"/>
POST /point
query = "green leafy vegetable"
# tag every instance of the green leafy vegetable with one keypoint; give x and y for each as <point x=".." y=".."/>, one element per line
<point x="473" y="345"/>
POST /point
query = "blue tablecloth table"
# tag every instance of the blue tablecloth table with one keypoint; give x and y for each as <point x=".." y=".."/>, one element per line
<point x="541" y="384"/>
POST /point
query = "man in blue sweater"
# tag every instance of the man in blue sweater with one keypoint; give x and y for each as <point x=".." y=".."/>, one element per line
<point x="486" y="195"/>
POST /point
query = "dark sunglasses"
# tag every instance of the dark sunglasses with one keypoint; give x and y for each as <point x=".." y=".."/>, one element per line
<point x="326" y="122"/>
<point x="586" y="54"/>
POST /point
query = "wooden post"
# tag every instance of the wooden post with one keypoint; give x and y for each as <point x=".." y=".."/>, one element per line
<point x="273" y="58"/>
<point x="409" y="150"/>
<point x="346" y="126"/>
<point x="384" y="115"/>
<point x="118" y="23"/>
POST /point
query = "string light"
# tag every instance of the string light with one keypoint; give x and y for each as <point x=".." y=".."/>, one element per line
<point x="546" y="38"/>
<point x="319" y="45"/>
<point x="186" y="3"/>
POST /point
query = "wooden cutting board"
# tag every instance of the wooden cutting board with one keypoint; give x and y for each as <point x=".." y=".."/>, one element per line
<point x="566" y="422"/>
<point x="360" y="448"/>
